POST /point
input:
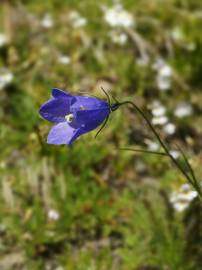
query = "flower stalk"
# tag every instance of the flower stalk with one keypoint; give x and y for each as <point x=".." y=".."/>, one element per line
<point x="190" y="176"/>
<point x="74" y="116"/>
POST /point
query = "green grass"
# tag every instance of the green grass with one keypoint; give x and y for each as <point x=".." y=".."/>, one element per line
<point x="113" y="205"/>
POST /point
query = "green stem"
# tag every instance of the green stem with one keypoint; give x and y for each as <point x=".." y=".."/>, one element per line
<point x="144" y="151"/>
<point x="164" y="146"/>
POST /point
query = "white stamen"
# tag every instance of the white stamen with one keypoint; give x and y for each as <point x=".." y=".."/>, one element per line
<point x="69" y="117"/>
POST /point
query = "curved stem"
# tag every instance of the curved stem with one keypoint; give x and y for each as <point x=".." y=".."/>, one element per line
<point x="164" y="146"/>
<point x="144" y="151"/>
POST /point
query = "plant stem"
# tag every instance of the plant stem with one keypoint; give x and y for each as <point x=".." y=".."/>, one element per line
<point x="165" y="147"/>
<point x="144" y="151"/>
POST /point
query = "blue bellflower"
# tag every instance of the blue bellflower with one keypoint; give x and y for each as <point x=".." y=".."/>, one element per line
<point x="72" y="115"/>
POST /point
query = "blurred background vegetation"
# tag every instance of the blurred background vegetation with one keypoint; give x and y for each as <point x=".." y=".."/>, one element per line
<point x="92" y="206"/>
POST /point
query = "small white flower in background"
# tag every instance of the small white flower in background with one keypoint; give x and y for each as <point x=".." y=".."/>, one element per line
<point x="163" y="78"/>
<point x="158" y="112"/>
<point x="157" y="105"/>
<point x="6" y="78"/>
<point x="169" y="128"/>
<point x="165" y="71"/>
<point x="47" y="21"/>
<point x="177" y="34"/>
<point x="183" y="109"/>
<point x="77" y="20"/>
<point x="64" y="59"/>
<point x="191" y="195"/>
<point x="181" y="199"/>
<point x="174" y="153"/>
<point x="151" y="145"/>
<point x="3" y="39"/>
<point x="164" y="74"/>
<point x="163" y="83"/>
<point x="118" y="37"/>
<point x="53" y="215"/>
<point x="161" y="120"/>
<point x="185" y="188"/>
<point x="180" y="206"/>
<point x="118" y="17"/>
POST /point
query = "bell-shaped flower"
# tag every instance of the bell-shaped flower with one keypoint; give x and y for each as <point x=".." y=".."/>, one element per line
<point x="72" y="115"/>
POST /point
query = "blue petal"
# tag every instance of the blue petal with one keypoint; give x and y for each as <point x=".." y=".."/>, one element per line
<point x="90" y="119"/>
<point x="88" y="103"/>
<point x="58" y="93"/>
<point x="79" y="132"/>
<point x="55" y="110"/>
<point x="61" y="133"/>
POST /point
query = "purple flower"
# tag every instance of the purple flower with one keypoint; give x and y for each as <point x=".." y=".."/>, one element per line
<point x="72" y="115"/>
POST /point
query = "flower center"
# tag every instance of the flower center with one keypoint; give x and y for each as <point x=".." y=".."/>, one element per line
<point x="69" y="117"/>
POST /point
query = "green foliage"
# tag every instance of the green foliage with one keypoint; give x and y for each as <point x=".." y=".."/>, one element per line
<point x="93" y="206"/>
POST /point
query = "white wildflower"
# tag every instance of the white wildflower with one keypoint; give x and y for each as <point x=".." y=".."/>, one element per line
<point x="189" y="196"/>
<point x="77" y="20"/>
<point x="151" y="145"/>
<point x="165" y="71"/>
<point x="174" y="153"/>
<point x="169" y="128"/>
<point x="163" y="83"/>
<point x="183" y="109"/>
<point x="64" y="59"/>
<point x="118" y="38"/>
<point x="3" y="39"/>
<point x="164" y="74"/>
<point x="118" y="17"/>
<point x="180" y="206"/>
<point x="158" y="111"/>
<point x="160" y="120"/>
<point x="177" y="34"/>
<point x="163" y="78"/>
<point x="181" y="199"/>
<point x="6" y="78"/>
<point x="185" y="187"/>
<point x="53" y="214"/>
<point x="47" y="21"/>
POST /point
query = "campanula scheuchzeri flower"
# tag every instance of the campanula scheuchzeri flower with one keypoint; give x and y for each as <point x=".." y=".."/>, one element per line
<point x="76" y="115"/>
<point x="72" y="115"/>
